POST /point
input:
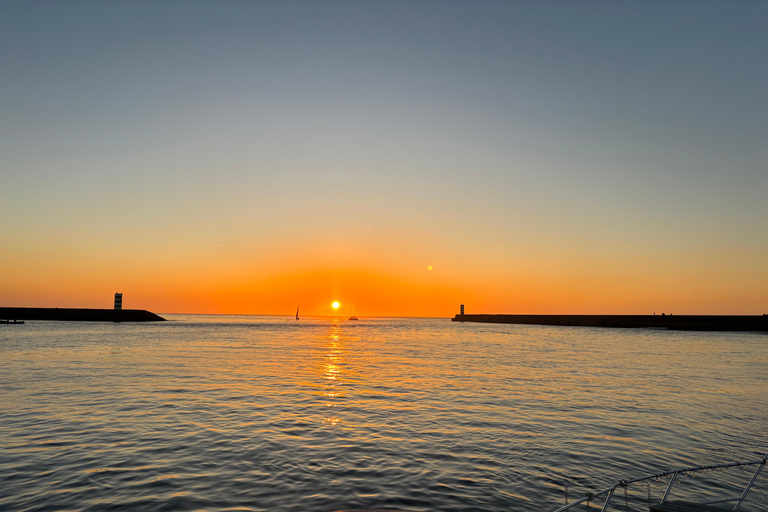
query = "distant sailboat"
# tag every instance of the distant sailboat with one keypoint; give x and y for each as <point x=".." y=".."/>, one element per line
<point x="353" y="317"/>
<point x="297" y="312"/>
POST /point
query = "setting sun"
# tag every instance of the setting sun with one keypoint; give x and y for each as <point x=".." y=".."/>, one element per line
<point x="335" y="305"/>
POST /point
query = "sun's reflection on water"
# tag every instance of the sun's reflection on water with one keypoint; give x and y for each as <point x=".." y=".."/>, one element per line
<point x="332" y="371"/>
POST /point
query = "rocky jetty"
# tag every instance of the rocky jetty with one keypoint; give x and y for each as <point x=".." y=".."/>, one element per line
<point x="674" y="322"/>
<point x="80" y="315"/>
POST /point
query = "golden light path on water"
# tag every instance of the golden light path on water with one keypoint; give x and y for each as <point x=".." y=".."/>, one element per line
<point x="324" y="414"/>
<point x="332" y="369"/>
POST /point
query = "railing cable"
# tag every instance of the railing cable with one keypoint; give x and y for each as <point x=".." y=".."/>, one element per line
<point x="589" y="496"/>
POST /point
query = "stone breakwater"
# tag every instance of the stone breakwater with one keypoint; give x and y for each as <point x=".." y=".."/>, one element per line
<point x="673" y="322"/>
<point x="80" y="315"/>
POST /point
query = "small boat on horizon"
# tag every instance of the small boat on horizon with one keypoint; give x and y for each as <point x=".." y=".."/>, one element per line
<point x="297" y="312"/>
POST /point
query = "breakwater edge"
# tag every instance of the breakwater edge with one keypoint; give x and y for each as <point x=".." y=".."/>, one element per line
<point x="672" y="322"/>
<point x="80" y="315"/>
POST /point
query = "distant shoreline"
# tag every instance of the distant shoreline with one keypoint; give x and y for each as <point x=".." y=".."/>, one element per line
<point x="672" y="322"/>
<point x="80" y="315"/>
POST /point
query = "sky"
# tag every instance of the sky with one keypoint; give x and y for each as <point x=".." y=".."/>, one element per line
<point x="400" y="157"/>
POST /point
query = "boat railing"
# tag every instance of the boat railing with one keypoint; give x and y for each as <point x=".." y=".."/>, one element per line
<point x="673" y="477"/>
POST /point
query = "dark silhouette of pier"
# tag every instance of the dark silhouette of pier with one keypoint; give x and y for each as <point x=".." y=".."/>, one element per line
<point x="80" y="315"/>
<point x="672" y="322"/>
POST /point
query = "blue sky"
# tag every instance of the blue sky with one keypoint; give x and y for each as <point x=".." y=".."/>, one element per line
<point x="483" y="135"/>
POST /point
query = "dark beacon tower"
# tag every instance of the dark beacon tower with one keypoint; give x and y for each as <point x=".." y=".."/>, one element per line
<point x="118" y="301"/>
<point x="462" y="309"/>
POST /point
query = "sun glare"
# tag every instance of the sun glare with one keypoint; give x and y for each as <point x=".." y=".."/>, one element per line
<point x="335" y="304"/>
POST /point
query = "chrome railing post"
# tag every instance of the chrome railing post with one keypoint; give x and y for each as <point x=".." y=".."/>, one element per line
<point x="669" y="487"/>
<point x="608" y="500"/>
<point x="751" y="482"/>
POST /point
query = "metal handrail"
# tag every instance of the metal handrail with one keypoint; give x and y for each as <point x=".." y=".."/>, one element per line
<point x="589" y="496"/>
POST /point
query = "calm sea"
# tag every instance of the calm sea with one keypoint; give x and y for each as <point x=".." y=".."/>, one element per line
<point x="267" y="413"/>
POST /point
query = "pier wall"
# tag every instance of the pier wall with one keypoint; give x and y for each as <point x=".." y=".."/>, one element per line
<point x="675" y="322"/>
<point x="81" y="315"/>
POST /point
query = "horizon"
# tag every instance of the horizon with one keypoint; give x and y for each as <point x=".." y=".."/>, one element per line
<point x="344" y="316"/>
<point x="400" y="158"/>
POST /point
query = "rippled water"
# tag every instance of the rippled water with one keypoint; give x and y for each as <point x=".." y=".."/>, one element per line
<point x="266" y="413"/>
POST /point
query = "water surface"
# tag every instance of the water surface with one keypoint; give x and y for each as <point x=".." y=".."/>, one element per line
<point x="267" y="413"/>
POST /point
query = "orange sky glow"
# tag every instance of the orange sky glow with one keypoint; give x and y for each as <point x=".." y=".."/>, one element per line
<point x="500" y="156"/>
